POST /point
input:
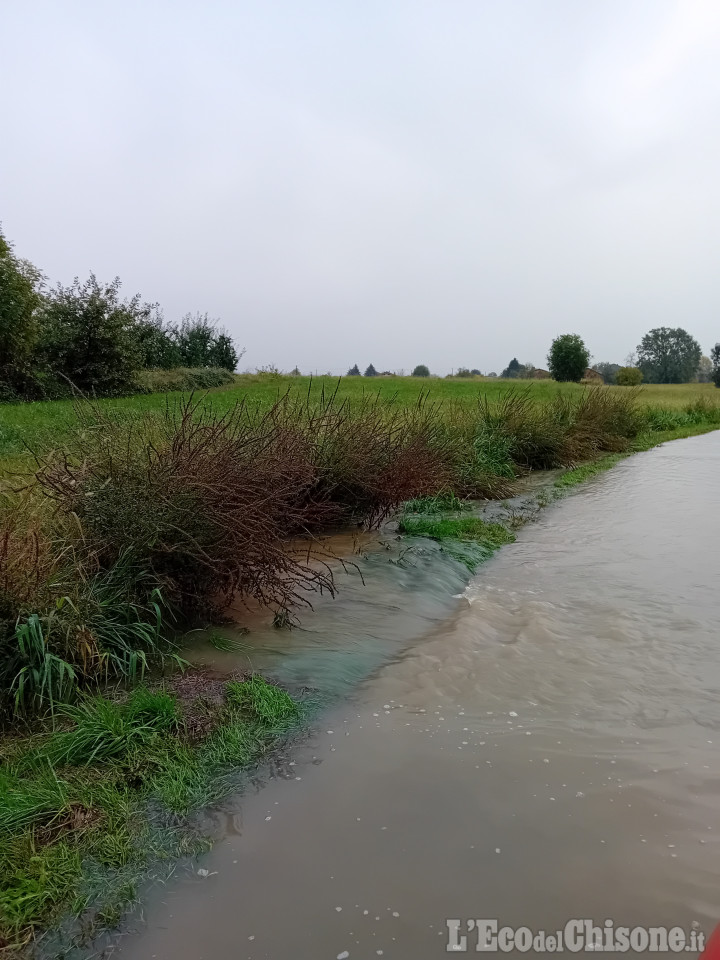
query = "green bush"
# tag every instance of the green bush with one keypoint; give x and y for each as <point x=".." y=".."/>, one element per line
<point x="88" y="336"/>
<point x="629" y="377"/>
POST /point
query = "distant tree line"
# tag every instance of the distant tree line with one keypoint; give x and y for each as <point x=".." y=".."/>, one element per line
<point x="665" y="355"/>
<point x="87" y="336"/>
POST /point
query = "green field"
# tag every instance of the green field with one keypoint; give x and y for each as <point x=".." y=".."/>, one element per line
<point x="43" y="424"/>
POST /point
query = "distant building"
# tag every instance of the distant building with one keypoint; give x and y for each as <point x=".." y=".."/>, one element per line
<point x="540" y="374"/>
<point x="592" y="376"/>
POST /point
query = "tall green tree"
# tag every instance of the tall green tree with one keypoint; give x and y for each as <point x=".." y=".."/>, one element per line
<point x="668" y="355"/>
<point x="20" y="300"/>
<point x="371" y="371"/>
<point x="512" y="370"/>
<point x="421" y="370"/>
<point x="353" y="371"/>
<point x="568" y="358"/>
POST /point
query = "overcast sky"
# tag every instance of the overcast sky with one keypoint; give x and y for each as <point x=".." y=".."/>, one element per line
<point x="450" y="182"/>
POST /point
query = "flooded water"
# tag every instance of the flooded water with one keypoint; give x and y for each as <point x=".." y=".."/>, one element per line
<point x="538" y="746"/>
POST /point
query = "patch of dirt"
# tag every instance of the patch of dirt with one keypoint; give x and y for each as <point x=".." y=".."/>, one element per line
<point x="76" y="819"/>
<point x="201" y="695"/>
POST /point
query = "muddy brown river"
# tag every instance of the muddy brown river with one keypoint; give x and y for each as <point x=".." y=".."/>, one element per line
<point x="538" y="746"/>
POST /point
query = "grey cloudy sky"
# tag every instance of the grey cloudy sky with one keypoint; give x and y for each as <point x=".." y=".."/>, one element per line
<point x="398" y="181"/>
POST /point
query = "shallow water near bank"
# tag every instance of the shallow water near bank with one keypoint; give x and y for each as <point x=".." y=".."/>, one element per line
<point x="537" y="746"/>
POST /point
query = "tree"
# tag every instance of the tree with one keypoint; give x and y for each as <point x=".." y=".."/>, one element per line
<point x="158" y="343"/>
<point x="628" y="377"/>
<point x="353" y="371"/>
<point x="223" y="353"/>
<point x="89" y="335"/>
<point x="475" y="372"/>
<point x="20" y="298"/>
<point x="203" y="344"/>
<point x="371" y="371"/>
<point x="512" y="370"/>
<point x="669" y="355"/>
<point x="715" y="358"/>
<point x="568" y="358"/>
<point x="421" y="371"/>
<point x="608" y="371"/>
<point x="463" y="372"/>
<point x="705" y="370"/>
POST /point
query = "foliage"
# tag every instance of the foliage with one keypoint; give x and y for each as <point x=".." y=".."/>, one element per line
<point x="157" y="342"/>
<point x="715" y="358"/>
<point x="202" y="344"/>
<point x="85" y="337"/>
<point x="370" y="371"/>
<point x="628" y="376"/>
<point x="705" y="370"/>
<point x="20" y="299"/>
<point x="463" y="372"/>
<point x="88" y="336"/>
<point x="608" y="371"/>
<point x="568" y="358"/>
<point x="421" y="370"/>
<point x="353" y="371"/>
<point x="668" y="355"/>
<point x="513" y="370"/>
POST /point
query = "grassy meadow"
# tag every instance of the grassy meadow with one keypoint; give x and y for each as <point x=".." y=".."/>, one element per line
<point x="43" y="424"/>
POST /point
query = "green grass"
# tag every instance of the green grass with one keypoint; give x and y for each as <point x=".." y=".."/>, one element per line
<point x="84" y="812"/>
<point x="262" y="701"/>
<point x="585" y="471"/>
<point x="457" y="528"/>
<point x="440" y="503"/>
<point x="44" y="423"/>
<point x="108" y="730"/>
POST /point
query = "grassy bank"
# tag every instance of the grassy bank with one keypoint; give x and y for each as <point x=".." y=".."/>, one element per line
<point x="87" y="807"/>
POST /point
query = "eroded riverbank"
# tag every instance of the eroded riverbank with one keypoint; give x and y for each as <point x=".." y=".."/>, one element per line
<point x="546" y="752"/>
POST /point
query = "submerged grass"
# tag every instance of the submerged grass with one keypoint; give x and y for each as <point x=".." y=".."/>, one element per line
<point x="457" y="528"/>
<point x="584" y="472"/>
